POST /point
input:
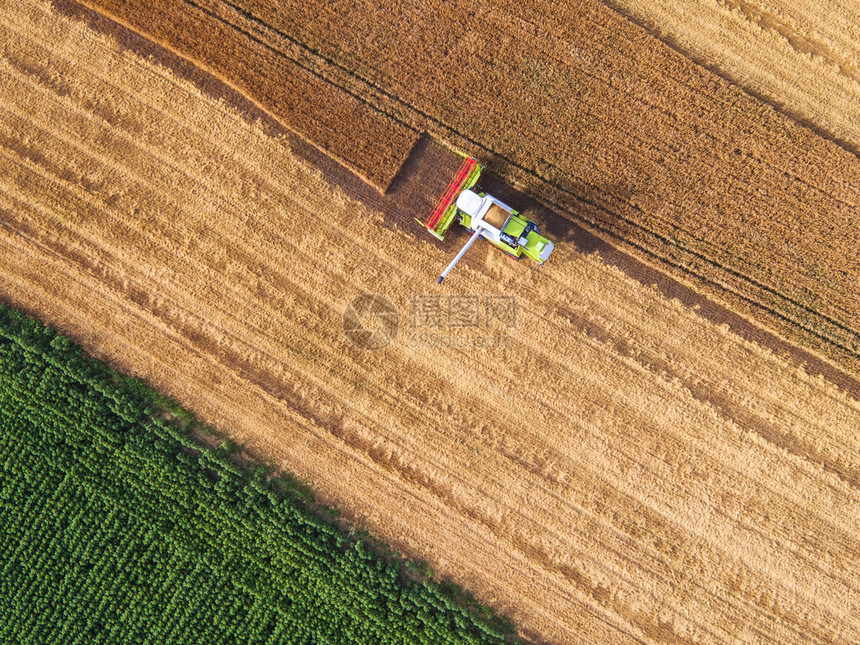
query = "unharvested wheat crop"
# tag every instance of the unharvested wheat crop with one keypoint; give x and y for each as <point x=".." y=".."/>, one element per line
<point x="801" y="57"/>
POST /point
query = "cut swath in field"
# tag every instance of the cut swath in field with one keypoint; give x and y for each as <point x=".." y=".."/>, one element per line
<point x="615" y="469"/>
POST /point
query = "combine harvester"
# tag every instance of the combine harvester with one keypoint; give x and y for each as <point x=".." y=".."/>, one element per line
<point x="486" y="217"/>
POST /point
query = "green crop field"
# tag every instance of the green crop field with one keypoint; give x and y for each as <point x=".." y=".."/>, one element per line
<point x="118" y="527"/>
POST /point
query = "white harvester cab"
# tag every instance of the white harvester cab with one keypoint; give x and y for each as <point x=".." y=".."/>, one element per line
<point x="485" y="212"/>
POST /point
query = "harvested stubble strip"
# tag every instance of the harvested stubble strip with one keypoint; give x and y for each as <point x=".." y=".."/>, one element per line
<point x="369" y="142"/>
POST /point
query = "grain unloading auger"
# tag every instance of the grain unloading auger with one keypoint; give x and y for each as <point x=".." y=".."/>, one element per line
<point x="486" y="217"/>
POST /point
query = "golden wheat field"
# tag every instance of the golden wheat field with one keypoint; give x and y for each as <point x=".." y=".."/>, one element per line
<point x="584" y="110"/>
<point x="599" y="462"/>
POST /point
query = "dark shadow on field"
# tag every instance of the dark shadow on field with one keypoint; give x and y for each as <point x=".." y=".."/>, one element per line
<point x="564" y="231"/>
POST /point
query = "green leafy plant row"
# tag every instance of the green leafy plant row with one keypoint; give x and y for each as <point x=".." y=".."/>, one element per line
<point x="117" y="527"/>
